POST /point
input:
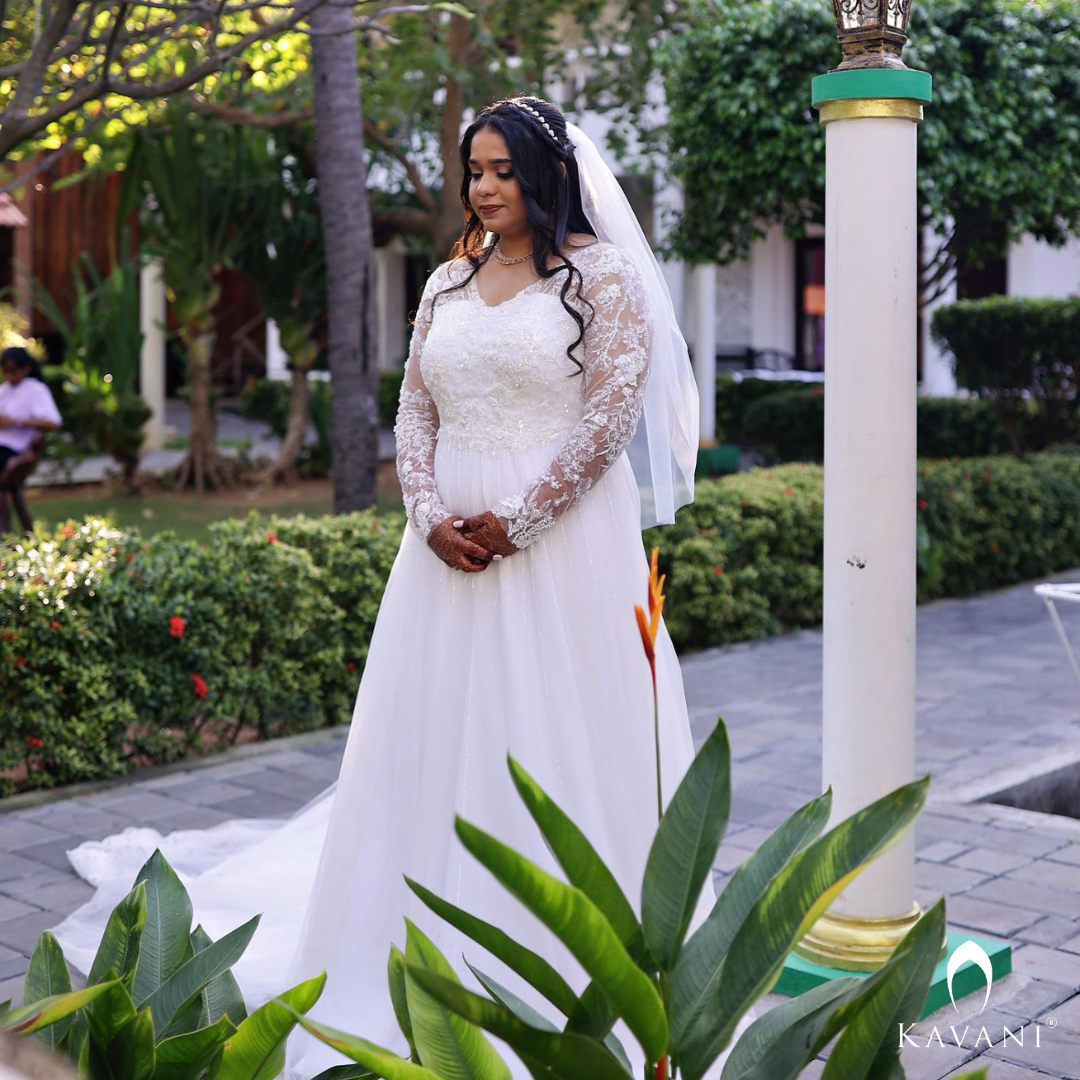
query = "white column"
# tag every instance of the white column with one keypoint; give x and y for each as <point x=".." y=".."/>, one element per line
<point x="152" y="353"/>
<point x="704" y="287"/>
<point x="277" y="361"/>
<point x="869" y="560"/>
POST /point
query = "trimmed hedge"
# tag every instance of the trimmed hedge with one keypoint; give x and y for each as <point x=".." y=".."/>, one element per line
<point x="97" y="673"/>
<point x="792" y="424"/>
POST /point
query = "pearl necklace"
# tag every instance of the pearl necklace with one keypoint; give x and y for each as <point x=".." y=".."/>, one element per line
<point x="499" y="257"/>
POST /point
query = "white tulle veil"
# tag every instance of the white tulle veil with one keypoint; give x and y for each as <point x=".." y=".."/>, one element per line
<point x="664" y="450"/>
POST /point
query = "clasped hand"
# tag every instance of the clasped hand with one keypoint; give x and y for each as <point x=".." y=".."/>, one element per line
<point x="470" y="544"/>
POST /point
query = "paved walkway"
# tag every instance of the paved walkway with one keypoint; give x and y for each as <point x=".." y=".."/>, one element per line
<point x="997" y="704"/>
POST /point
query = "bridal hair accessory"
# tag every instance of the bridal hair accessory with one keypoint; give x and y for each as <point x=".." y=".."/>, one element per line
<point x="528" y="108"/>
<point x="664" y="449"/>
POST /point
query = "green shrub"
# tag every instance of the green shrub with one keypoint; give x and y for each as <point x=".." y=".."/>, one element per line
<point x="734" y="398"/>
<point x="1023" y="355"/>
<point x="389" y="392"/>
<point x="791" y="425"/>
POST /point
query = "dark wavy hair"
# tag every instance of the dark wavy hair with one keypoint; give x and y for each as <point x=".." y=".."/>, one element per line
<point x="18" y="356"/>
<point x="552" y="200"/>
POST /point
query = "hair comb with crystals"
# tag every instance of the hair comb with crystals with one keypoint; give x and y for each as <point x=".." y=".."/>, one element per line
<point x="529" y="108"/>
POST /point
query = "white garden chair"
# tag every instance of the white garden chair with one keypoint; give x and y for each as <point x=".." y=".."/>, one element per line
<point x="1067" y="593"/>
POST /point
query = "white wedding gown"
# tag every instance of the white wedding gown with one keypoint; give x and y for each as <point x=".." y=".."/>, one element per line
<point x="538" y="655"/>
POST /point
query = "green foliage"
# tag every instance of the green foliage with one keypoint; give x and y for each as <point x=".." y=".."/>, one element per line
<point x="791" y="423"/>
<point x="998" y="149"/>
<point x="1021" y="355"/>
<point x="734" y="398"/>
<point x="681" y="999"/>
<point x="148" y="1011"/>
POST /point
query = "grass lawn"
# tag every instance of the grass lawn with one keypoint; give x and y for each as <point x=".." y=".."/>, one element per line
<point x="188" y="514"/>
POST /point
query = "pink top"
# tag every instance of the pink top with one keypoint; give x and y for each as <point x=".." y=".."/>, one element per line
<point x="30" y="400"/>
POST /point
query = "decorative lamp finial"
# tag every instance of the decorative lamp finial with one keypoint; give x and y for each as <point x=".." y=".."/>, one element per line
<point x="871" y="32"/>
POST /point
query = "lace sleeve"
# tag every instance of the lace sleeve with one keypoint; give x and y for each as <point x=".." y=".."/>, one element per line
<point x="616" y="363"/>
<point x="417" y="428"/>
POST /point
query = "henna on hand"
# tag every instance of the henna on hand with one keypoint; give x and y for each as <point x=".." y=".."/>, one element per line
<point x="457" y="551"/>
<point x="488" y="531"/>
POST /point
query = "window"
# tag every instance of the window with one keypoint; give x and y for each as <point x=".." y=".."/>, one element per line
<point x="810" y="305"/>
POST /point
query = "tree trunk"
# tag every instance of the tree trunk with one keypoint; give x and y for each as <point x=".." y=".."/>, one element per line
<point x="284" y="465"/>
<point x="346" y="225"/>
<point x="202" y="465"/>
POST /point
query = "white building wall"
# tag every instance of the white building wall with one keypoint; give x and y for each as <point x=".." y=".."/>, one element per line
<point x="1036" y="269"/>
<point x="772" y="305"/>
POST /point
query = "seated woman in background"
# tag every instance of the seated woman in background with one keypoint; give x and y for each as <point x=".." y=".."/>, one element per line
<point x="27" y="410"/>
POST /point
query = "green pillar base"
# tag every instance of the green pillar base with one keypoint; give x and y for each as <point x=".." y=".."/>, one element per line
<point x="800" y="975"/>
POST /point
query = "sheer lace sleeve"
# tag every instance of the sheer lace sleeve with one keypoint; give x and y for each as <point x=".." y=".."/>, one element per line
<point x="616" y="365"/>
<point x="417" y="427"/>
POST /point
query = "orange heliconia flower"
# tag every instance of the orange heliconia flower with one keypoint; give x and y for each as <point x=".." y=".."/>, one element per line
<point x="650" y="625"/>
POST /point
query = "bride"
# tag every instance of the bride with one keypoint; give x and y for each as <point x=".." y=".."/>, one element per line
<point x="545" y="355"/>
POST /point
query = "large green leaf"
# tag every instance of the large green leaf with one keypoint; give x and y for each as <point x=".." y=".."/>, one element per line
<point x="564" y="1056"/>
<point x="120" y="944"/>
<point x="684" y="848"/>
<point x="109" y="1013"/>
<point x="399" y="996"/>
<point x="188" y="982"/>
<point x="528" y="1015"/>
<point x="868" y="1048"/>
<point x="131" y="1054"/>
<point x="701" y="960"/>
<point x="381" y="1062"/>
<point x="352" y="1071"/>
<point x="578" y="858"/>
<point x="41" y="1014"/>
<point x="580" y="925"/>
<point x="166" y="938"/>
<point x="448" y="1045"/>
<point x="534" y="969"/>
<point x="222" y="996"/>
<point x="184" y="1057"/>
<point x="792" y="902"/>
<point x="257" y="1050"/>
<point x="48" y="977"/>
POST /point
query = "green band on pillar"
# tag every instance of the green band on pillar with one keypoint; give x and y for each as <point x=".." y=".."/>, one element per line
<point x="871" y="83"/>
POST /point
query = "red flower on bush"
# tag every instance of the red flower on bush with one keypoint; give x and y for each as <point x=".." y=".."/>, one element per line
<point x="53" y="625"/>
<point x="34" y="741"/>
<point x="198" y="684"/>
<point x="67" y="532"/>
<point x="717" y="569"/>
<point x="923" y="504"/>
<point x="995" y="548"/>
<point x="20" y="661"/>
<point x="788" y="491"/>
<point x="271" y="538"/>
<point x="176" y="626"/>
<point x="350" y="667"/>
<point x="7" y="635"/>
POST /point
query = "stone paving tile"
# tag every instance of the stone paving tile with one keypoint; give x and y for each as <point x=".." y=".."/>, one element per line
<point x="1052" y="931"/>
<point x="21" y="934"/>
<point x="1053" y="965"/>
<point x="1052" y="875"/>
<point x="16" y="834"/>
<point x="1000" y="920"/>
<point x="261" y="804"/>
<point x="947" y="878"/>
<point x="942" y="851"/>
<point x="1028" y="896"/>
<point x="12" y="909"/>
<point x="989" y="860"/>
<point x="1070" y="853"/>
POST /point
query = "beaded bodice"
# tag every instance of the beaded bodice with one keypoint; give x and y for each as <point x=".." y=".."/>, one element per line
<point x="496" y="378"/>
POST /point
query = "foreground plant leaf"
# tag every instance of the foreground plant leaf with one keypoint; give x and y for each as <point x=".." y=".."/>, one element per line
<point x="579" y="860"/>
<point x="447" y="1044"/>
<point x="381" y="1062"/>
<point x="684" y="848"/>
<point x="351" y="1071"/>
<point x="580" y="925"/>
<point x="534" y="969"/>
<point x="528" y="1015"/>
<point x="701" y="961"/>
<point x="184" y="1057"/>
<point x="221" y="996"/>
<point x="48" y="977"/>
<point x="790" y="905"/>
<point x="559" y="1055"/>
<point x="399" y="997"/>
<point x="41" y="1014"/>
<point x="257" y="1050"/>
<point x="188" y="981"/>
<point x="131" y="1054"/>
<point x="121" y="942"/>
<point x="867" y="1049"/>
<point x="109" y="1013"/>
<point x="166" y="937"/>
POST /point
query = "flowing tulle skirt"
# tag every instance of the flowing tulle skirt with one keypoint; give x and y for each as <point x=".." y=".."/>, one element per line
<point x="539" y="656"/>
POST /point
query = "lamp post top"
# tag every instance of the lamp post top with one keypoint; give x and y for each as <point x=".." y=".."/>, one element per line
<point x="871" y="33"/>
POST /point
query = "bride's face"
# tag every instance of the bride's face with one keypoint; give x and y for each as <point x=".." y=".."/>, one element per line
<point x="493" y="191"/>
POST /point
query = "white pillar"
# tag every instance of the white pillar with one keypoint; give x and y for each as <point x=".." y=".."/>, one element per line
<point x="869" y="560"/>
<point x="152" y="353"/>
<point x="277" y="361"/>
<point x="704" y="286"/>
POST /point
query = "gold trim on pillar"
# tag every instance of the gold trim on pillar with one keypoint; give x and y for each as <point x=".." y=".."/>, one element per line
<point x="852" y="943"/>
<point x="864" y="108"/>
